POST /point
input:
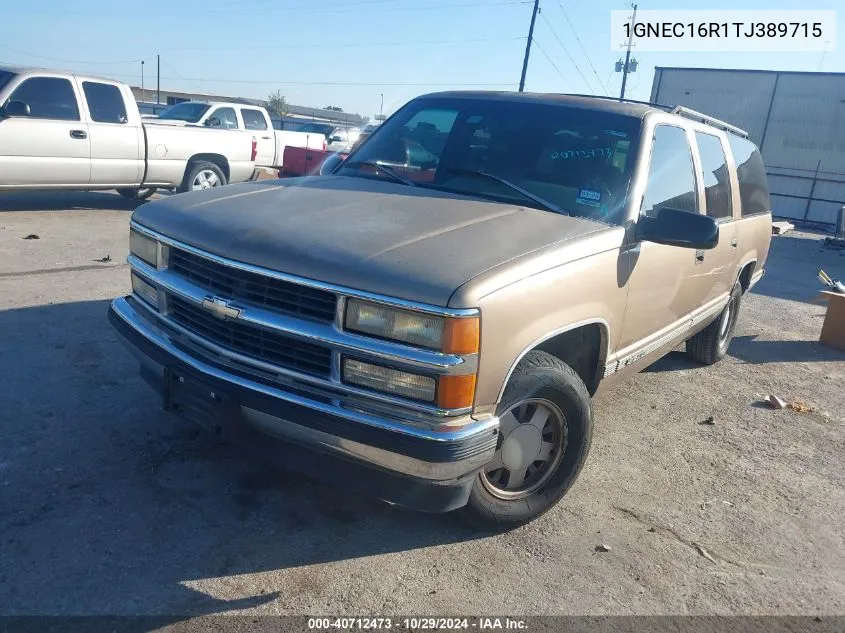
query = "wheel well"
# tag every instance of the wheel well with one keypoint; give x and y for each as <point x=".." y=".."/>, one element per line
<point x="217" y="159"/>
<point x="583" y="349"/>
<point x="745" y="276"/>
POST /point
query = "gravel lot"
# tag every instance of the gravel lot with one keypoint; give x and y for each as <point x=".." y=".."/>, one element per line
<point x="110" y="506"/>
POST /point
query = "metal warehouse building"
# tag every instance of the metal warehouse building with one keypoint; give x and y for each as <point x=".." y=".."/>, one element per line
<point x="797" y="119"/>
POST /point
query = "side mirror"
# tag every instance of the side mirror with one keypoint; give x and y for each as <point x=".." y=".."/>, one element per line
<point x="212" y="122"/>
<point x="674" y="227"/>
<point x="16" y="108"/>
<point x="331" y="163"/>
<point x="335" y="139"/>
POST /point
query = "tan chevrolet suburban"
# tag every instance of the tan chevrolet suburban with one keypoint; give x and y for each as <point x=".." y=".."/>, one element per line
<point x="428" y="323"/>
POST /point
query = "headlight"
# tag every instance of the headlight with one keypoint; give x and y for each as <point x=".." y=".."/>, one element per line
<point x="393" y="381"/>
<point x="447" y="392"/>
<point x="145" y="290"/>
<point x="144" y="248"/>
<point x="447" y="334"/>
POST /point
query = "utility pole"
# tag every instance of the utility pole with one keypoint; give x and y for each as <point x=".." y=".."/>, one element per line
<point x="528" y="45"/>
<point x="158" y="79"/>
<point x="143" y="97"/>
<point x="628" y="54"/>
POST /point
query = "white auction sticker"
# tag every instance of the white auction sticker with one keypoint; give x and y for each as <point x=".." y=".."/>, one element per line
<point x="716" y="30"/>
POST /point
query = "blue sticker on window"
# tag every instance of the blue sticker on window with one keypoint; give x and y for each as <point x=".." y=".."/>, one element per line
<point x="589" y="197"/>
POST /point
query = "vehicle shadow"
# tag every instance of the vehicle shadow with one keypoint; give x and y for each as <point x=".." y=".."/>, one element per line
<point x="111" y="506"/>
<point x="753" y="351"/>
<point x="65" y="201"/>
<point x="673" y="361"/>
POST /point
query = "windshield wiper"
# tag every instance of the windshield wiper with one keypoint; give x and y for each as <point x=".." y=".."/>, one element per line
<point x="382" y="168"/>
<point x="549" y="206"/>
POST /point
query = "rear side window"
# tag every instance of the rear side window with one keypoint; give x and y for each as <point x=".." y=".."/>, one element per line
<point x="253" y="120"/>
<point x="714" y="174"/>
<point x="227" y="118"/>
<point x="105" y="103"/>
<point x="48" y="98"/>
<point x="751" y="173"/>
<point x="671" y="179"/>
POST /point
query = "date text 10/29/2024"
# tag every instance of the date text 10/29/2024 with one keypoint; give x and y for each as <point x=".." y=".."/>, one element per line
<point x="417" y="624"/>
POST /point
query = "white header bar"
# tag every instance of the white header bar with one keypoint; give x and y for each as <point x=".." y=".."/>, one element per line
<point x="719" y="30"/>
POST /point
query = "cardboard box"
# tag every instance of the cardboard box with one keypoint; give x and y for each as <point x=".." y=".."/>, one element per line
<point x="833" y="328"/>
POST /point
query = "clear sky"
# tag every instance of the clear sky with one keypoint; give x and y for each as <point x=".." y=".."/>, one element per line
<point x="347" y="53"/>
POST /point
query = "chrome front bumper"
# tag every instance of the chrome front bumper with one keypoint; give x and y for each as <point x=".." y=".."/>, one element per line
<point x="433" y="452"/>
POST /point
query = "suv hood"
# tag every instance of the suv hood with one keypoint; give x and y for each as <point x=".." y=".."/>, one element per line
<point x="381" y="237"/>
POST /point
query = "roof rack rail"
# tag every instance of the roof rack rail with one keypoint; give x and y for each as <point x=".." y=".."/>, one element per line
<point x="620" y="100"/>
<point x="695" y="115"/>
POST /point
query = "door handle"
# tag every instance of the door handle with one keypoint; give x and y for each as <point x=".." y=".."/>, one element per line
<point x="699" y="256"/>
<point x="733" y="242"/>
<point x="266" y="138"/>
<point x="78" y="134"/>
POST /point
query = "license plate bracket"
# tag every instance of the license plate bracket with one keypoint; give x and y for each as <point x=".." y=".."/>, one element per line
<point x="191" y="398"/>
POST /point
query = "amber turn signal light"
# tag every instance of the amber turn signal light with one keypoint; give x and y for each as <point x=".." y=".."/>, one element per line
<point x="460" y="336"/>
<point x="455" y="392"/>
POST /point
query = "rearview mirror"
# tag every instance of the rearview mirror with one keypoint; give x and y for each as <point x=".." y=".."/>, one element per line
<point x="16" y="108"/>
<point x="330" y="164"/>
<point x="674" y="227"/>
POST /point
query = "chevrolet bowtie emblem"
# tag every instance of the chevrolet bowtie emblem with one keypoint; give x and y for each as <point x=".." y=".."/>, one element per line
<point x="220" y="308"/>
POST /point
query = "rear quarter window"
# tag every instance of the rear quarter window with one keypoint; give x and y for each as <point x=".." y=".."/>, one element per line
<point x="105" y="103"/>
<point x="751" y="173"/>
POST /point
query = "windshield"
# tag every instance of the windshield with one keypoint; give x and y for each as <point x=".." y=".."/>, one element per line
<point x="316" y="128"/>
<point x="188" y="112"/>
<point x="573" y="159"/>
<point x="5" y="77"/>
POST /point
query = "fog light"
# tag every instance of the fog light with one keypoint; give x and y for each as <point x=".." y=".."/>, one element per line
<point x="388" y="380"/>
<point x="145" y="290"/>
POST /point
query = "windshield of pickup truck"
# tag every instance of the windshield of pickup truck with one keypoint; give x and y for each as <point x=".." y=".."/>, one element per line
<point x="316" y="128"/>
<point x="559" y="158"/>
<point x="5" y="77"/>
<point x="188" y="112"/>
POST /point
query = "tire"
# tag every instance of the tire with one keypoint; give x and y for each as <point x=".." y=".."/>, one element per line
<point x="539" y="383"/>
<point x="201" y="174"/>
<point x="137" y="194"/>
<point x="711" y="344"/>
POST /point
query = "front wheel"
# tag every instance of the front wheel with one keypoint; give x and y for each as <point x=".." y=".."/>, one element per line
<point x="545" y="428"/>
<point x="200" y="175"/>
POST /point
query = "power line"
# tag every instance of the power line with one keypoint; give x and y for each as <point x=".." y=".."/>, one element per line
<point x="578" y="39"/>
<point x="324" y="46"/>
<point x="546" y="55"/>
<point x="316" y="83"/>
<point x="68" y="61"/>
<point x="565" y="50"/>
<point x="310" y="10"/>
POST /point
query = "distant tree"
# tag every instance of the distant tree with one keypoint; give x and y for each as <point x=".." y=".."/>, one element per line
<point x="334" y="108"/>
<point x="277" y="104"/>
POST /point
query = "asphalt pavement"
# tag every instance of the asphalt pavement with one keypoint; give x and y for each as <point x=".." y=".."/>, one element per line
<point x="108" y="505"/>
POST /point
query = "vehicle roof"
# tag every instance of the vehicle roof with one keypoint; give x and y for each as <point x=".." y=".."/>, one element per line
<point x="26" y="70"/>
<point x="230" y="104"/>
<point x="627" y="108"/>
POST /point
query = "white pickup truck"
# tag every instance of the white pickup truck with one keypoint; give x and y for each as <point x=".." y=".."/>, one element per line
<point x="61" y="130"/>
<point x="237" y="116"/>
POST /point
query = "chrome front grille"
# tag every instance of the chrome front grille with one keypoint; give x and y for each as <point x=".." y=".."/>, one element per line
<point x="245" y="286"/>
<point x="265" y="345"/>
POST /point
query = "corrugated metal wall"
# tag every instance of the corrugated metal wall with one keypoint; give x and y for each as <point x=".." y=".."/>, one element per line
<point x="797" y="119"/>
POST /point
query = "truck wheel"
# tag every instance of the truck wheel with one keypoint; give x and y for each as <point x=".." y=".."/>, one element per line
<point x="711" y="344"/>
<point x="137" y="194"/>
<point x="202" y="174"/>
<point x="546" y="424"/>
